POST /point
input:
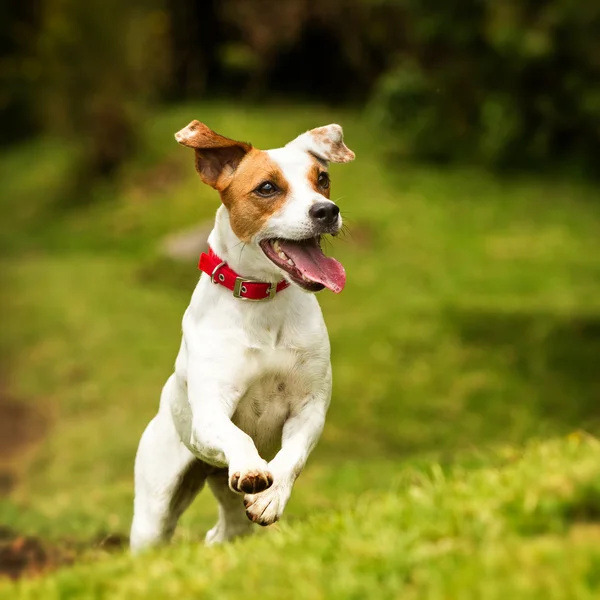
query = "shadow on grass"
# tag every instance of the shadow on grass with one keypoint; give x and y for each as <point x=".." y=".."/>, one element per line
<point x="483" y="378"/>
<point x="556" y="357"/>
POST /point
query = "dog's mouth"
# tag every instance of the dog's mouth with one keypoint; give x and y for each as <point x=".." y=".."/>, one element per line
<point x="305" y="263"/>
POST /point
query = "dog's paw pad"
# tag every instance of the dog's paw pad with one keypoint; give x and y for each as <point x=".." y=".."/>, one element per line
<point x="266" y="508"/>
<point x="250" y="482"/>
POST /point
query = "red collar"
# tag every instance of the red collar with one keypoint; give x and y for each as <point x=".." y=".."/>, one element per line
<point x="244" y="289"/>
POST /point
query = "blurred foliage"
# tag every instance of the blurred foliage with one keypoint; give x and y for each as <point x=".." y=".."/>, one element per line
<point x="99" y="62"/>
<point x="18" y="71"/>
<point x="503" y="83"/>
<point x="85" y="71"/>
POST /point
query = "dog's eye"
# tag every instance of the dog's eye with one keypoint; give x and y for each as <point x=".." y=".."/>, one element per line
<point x="323" y="180"/>
<point x="266" y="189"/>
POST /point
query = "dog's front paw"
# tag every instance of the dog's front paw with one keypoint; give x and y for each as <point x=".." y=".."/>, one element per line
<point x="267" y="507"/>
<point x="250" y="480"/>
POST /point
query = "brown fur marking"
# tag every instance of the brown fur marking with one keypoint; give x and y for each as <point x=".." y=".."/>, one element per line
<point x="313" y="177"/>
<point x="217" y="156"/>
<point x="247" y="210"/>
<point x="329" y="143"/>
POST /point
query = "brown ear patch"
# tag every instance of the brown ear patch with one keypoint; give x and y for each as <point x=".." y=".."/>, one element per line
<point x="325" y="143"/>
<point x="217" y="156"/>
<point x="248" y="211"/>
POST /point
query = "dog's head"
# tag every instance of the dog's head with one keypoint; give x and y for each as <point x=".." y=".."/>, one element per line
<point x="278" y="199"/>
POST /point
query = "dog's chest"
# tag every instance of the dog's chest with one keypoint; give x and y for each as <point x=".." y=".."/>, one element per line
<point x="279" y="380"/>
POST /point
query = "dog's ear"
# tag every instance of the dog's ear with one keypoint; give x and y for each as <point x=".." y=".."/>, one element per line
<point x="326" y="143"/>
<point x="217" y="157"/>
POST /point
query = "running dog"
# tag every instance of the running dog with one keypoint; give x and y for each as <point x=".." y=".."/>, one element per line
<point x="247" y="401"/>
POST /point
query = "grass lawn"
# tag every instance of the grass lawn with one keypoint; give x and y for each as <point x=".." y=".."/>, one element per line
<point x="465" y="350"/>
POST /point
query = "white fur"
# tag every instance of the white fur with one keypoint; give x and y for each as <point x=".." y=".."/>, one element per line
<point x="250" y="391"/>
<point x="293" y="222"/>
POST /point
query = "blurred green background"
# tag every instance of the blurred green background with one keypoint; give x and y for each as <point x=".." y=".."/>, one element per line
<point x="465" y="347"/>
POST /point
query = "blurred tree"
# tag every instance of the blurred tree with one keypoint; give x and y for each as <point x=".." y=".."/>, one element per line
<point x="101" y="61"/>
<point x="512" y="82"/>
<point x="312" y="49"/>
<point x="196" y="33"/>
<point x="505" y="83"/>
<point x="19" y="22"/>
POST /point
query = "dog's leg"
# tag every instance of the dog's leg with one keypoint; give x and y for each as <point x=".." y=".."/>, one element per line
<point x="232" y="521"/>
<point x="167" y="478"/>
<point x="217" y="441"/>
<point x="301" y="432"/>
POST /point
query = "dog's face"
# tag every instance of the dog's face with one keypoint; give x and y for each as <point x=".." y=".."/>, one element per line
<point x="278" y="199"/>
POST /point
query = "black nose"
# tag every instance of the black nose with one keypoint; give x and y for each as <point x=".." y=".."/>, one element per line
<point x="325" y="213"/>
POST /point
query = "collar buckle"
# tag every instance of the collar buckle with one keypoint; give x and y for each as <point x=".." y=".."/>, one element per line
<point x="239" y="288"/>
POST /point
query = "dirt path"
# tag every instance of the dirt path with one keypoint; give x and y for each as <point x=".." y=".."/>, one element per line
<point x="27" y="555"/>
<point x="20" y="427"/>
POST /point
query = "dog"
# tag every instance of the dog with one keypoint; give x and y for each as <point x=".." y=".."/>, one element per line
<point x="247" y="401"/>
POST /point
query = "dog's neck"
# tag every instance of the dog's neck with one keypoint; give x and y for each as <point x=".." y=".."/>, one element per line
<point x="246" y="259"/>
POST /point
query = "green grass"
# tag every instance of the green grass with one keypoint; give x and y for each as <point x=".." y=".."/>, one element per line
<point x="470" y="322"/>
<point x="521" y="529"/>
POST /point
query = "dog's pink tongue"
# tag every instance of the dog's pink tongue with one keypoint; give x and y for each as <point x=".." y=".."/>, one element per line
<point x="314" y="265"/>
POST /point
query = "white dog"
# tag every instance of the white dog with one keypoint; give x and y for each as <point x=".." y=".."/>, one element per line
<point x="252" y="382"/>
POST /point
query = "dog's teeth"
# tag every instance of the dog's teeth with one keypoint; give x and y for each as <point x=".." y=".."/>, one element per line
<point x="282" y="255"/>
